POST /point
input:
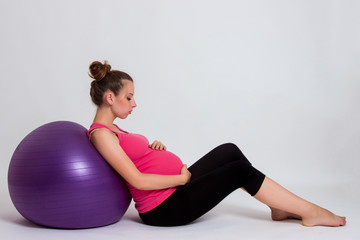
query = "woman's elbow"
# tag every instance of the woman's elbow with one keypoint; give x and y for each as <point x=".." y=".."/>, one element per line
<point x="139" y="183"/>
<point x="140" y="186"/>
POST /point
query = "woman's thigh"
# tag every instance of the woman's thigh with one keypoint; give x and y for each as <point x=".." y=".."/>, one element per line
<point x="218" y="157"/>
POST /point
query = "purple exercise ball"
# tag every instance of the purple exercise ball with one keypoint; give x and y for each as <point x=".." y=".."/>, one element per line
<point x="58" y="179"/>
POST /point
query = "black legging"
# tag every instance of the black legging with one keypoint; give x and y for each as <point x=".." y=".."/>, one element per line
<point x="213" y="177"/>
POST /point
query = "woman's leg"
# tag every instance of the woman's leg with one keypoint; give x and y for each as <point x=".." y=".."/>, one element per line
<point x="220" y="172"/>
<point x="283" y="204"/>
<point x="282" y="201"/>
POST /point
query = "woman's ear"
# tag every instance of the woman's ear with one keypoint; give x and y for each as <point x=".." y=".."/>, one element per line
<point x="109" y="97"/>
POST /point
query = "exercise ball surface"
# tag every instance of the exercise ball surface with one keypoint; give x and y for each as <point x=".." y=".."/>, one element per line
<point x="58" y="179"/>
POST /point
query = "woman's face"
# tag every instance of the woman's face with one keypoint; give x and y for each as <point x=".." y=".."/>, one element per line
<point x="124" y="102"/>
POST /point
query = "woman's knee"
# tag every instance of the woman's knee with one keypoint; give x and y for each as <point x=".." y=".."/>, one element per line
<point x="229" y="147"/>
<point x="233" y="151"/>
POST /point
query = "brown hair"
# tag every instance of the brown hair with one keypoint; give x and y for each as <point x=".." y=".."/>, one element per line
<point x="105" y="79"/>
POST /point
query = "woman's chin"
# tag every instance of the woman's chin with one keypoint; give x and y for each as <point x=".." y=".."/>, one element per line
<point x="124" y="116"/>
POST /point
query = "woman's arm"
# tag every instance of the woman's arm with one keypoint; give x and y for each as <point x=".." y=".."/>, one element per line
<point x="108" y="146"/>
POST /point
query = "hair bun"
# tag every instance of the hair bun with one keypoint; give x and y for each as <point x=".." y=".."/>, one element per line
<point x="98" y="70"/>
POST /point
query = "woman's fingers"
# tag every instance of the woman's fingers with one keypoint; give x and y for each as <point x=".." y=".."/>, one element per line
<point x="157" y="145"/>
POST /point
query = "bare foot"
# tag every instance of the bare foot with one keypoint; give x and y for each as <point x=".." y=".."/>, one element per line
<point x="279" y="215"/>
<point x="323" y="217"/>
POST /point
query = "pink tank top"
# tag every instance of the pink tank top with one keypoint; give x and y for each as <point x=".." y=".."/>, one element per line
<point x="146" y="160"/>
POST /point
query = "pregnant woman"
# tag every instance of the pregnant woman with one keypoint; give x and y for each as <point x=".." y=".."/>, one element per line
<point x="165" y="191"/>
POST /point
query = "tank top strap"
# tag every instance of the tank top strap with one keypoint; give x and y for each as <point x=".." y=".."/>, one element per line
<point x="96" y="125"/>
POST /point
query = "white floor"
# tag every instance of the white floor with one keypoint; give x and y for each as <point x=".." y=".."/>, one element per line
<point x="237" y="217"/>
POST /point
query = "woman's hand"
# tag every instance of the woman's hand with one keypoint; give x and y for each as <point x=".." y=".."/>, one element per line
<point x="185" y="173"/>
<point x="157" y="145"/>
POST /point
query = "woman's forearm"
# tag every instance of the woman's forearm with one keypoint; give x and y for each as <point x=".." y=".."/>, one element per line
<point x="145" y="181"/>
<point x="155" y="181"/>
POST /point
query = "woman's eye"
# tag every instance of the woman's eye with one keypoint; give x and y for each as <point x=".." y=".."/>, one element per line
<point x="129" y="99"/>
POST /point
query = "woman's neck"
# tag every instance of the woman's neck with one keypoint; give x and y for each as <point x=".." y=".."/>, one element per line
<point x="104" y="116"/>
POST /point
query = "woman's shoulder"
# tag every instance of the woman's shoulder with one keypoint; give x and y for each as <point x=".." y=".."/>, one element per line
<point x="97" y="126"/>
<point x="101" y="133"/>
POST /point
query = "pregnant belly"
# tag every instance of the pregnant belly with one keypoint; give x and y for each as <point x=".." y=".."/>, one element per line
<point x="160" y="162"/>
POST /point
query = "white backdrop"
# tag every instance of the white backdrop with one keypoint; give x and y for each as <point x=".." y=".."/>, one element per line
<point x="281" y="79"/>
